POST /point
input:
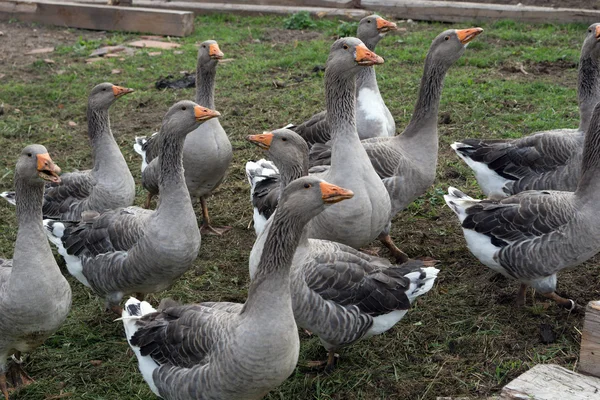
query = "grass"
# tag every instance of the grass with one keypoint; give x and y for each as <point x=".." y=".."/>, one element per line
<point x="464" y="338"/>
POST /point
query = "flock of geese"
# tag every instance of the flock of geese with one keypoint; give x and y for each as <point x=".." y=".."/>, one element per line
<point x="305" y="267"/>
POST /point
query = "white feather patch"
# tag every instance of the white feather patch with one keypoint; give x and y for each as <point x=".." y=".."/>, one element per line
<point x="9" y="196"/>
<point x="384" y="322"/>
<point x="55" y="231"/>
<point x="371" y="105"/>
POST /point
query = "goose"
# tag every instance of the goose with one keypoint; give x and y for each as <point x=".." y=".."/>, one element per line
<point x="532" y="235"/>
<point x="35" y="298"/>
<point x="134" y="250"/>
<point x="207" y="152"/>
<point x="373" y="119"/>
<point x="406" y="163"/>
<point x="544" y="160"/>
<point x="338" y="293"/>
<point x="228" y="351"/>
<point x="109" y="184"/>
<point x="358" y="221"/>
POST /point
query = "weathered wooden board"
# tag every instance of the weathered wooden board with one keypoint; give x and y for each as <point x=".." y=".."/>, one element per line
<point x="552" y="382"/>
<point x="100" y="17"/>
<point x="294" y="3"/>
<point x="246" y="9"/>
<point x="473" y="12"/>
<point x="589" y="358"/>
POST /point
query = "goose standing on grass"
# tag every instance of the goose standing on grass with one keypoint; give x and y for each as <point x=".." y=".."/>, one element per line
<point x="134" y="250"/>
<point x="533" y="235"/>
<point x="109" y="183"/>
<point x="545" y="160"/>
<point x="373" y="119"/>
<point x="406" y="163"/>
<point x="35" y="298"/>
<point x="358" y="221"/>
<point x="207" y="151"/>
<point x="338" y="293"/>
<point x="227" y="351"/>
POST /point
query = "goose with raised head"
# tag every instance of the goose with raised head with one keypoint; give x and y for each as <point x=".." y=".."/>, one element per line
<point x="207" y="152"/>
<point x="109" y="183"/>
<point x="358" y="221"/>
<point x="228" y="351"/>
<point x="35" y="298"/>
<point x="134" y="250"/>
<point x="533" y="235"/>
<point x="544" y="160"/>
<point x="373" y="119"/>
<point x="406" y="163"/>
<point x="338" y="293"/>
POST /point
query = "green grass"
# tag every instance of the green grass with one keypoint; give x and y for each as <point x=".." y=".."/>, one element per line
<point x="463" y="338"/>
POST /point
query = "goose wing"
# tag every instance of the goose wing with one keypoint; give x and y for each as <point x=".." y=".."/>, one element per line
<point x="315" y="130"/>
<point x="61" y="198"/>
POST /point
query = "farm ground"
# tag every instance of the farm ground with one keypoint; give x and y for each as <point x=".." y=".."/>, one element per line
<point x="465" y="338"/>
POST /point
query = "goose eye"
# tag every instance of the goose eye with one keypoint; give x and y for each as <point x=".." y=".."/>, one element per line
<point x="447" y="38"/>
<point x="284" y="139"/>
<point x="307" y="185"/>
<point x="29" y="154"/>
<point x="345" y="47"/>
<point x="183" y="108"/>
<point x="368" y="21"/>
<point x="204" y="46"/>
<point x="589" y="30"/>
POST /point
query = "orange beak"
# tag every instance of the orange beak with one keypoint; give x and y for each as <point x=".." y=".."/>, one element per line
<point x="333" y="194"/>
<point x="466" y="35"/>
<point x="384" y="25"/>
<point x="47" y="170"/>
<point x="263" y="141"/>
<point x="119" y="91"/>
<point x="366" y="57"/>
<point x="204" y="114"/>
<point x="597" y="31"/>
<point x="214" y="51"/>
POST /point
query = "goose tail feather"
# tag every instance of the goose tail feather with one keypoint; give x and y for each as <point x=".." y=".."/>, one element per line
<point x="9" y="196"/>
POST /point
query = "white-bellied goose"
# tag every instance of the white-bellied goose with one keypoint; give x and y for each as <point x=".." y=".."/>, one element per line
<point x="373" y="119"/>
<point x="543" y="160"/>
<point x="207" y="151"/>
<point x="533" y="235"/>
<point x="338" y="293"/>
<point x="35" y="298"/>
<point x="358" y="221"/>
<point x="134" y="250"/>
<point x="226" y="351"/>
<point x="406" y="163"/>
<point x="109" y="183"/>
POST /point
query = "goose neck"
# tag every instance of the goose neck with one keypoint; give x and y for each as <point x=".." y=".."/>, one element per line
<point x="289" y="172"/>
<point x="171" y="181"/>
<point x="205" y="86"/>
<point x="589" y="184"/>
<point x="588" y="89"/>
<point x="29" y="199"/>
<point x="101" y="138"/>
<point x="341" y="109"/>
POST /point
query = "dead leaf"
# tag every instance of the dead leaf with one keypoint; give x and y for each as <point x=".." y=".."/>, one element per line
<point x="40" y="51"/>
<point x="96" y="363"/>
<point x="49" y="61"/>
<point x="16" y="110"/>
<point x="141" y="69"/>
<point x="72" y="123"/>
<point x="154" y="44"/>
<point x="178" y="52"/>
<point x="93" y="60"/>
<point x="60" y="72"/>
<point x="154" y="53"/>
<point x="115" y="71"/>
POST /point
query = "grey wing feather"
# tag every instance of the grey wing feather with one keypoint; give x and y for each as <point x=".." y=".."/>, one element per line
<point x="151" y="147"/>
<point x="5" y="270"/>
<point x="74" y="188"/>
<point x="315" y="130"/>
<point x="150" y="177"/>
<point x="265" y="195"/>
<point x="385" y="159"/>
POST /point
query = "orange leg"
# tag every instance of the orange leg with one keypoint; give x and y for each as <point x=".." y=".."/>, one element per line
<point x="561" y="301"/>
<point x="207" y="228"/>
<point x="522" y="295"/>
<point x="398" y="254"/>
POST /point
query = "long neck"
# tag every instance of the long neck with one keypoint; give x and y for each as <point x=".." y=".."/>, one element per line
<point x="205" y="86"/>
<point x="101" y="138"/>
<point x="171" y="181"/>
<point x="588" y="89"/>
<point x="271" y="283"/>
<point x="289" y="171"/>
<point x="428" y="102"/>
<point x="589" y="183"/>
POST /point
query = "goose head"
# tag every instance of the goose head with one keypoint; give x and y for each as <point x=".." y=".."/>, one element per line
<point x="591" y="44"/>
<point x="348" y="55"/>
<point x="209" y="54"/>
<point x="35" y="165"/>
<point x="105" y="94"/>
<point x="450" y="45"/>
<point x="283" y="146"/>
<point x="306" y="197"/>
<point x="373" y="28"/>
<point x="185" y="116"/>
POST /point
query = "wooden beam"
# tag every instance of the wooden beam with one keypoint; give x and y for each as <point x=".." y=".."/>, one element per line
<point x="551" y="382"/>
<point x="246" y="9"/>
<point x="589" y="358"/>
<point x="100" y="17"/>
<point x="293" y="3"/>
<point x="474" y="12"/>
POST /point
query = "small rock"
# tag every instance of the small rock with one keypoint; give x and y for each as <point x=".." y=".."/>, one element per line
<point x="1" y="33"/>
<point x="96" y="363"/>
<point x="72" y="123"/>
<point x="141" y="69"/>
<point x="115" y="71"/>
<point x="154" y="53"/>
<point x="178" y="52"/>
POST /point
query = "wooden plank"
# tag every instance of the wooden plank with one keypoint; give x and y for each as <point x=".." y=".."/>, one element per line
<point x="474" y="12"/>
<point x="246" y="9"/>
<point x="293" y="3"/>
<point x="589" y="358"/>
<point x="552" y="382"/>
<point x="100" y="17"/>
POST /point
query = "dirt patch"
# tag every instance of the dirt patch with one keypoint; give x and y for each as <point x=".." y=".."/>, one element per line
<point x="538" y="68"/>
<point x="587" y="4"/>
